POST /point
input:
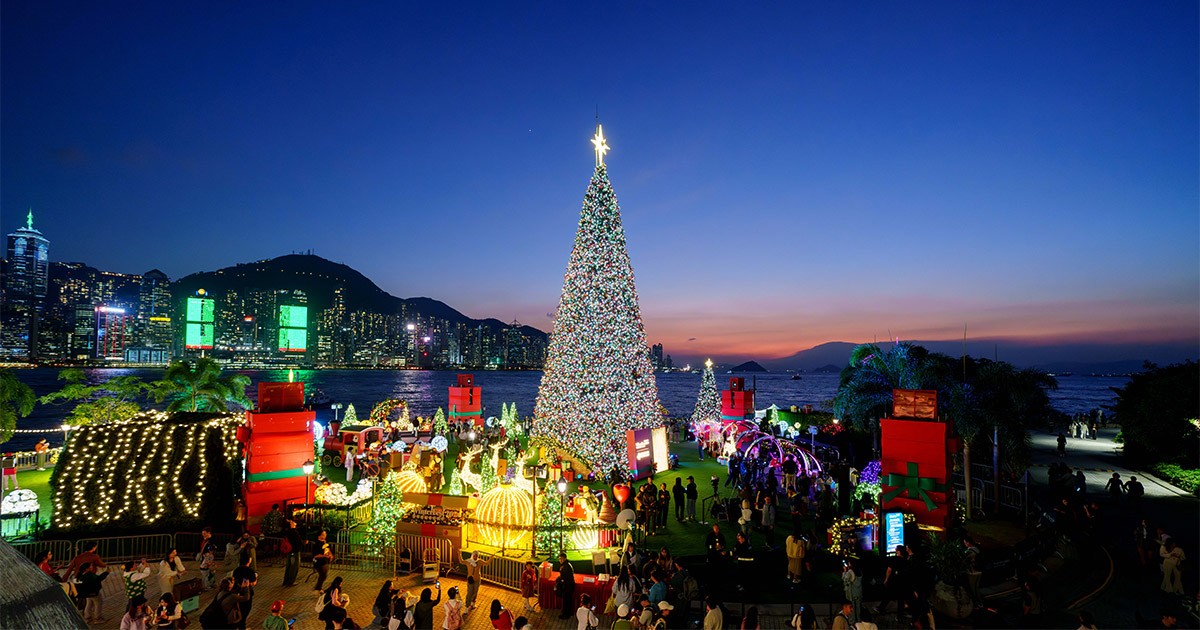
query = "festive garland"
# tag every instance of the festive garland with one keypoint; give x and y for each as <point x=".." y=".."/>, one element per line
<point x="383" y="411"/>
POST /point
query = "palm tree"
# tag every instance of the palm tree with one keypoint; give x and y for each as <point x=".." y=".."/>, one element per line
<point x="16" y="401"/>
<point x="865" y="391"/>
<point x="202" y="388"/>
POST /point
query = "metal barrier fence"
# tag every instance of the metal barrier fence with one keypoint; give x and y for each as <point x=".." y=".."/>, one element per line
<point x="502" y="571"/>
<point x="416" y="546"/>
<point x="152" y="547"/>
<point x="60" y="550"/>
<point x="365" y="550"/>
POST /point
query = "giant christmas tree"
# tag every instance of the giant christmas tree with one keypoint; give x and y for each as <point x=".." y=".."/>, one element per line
<point x="598" y="382"/>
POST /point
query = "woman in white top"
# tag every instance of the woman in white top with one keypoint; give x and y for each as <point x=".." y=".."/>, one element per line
<point x="169" y="571"/>
<point x="585" y="614"/>
<point x="625" y="586"/>
<point x="169" y="611"/>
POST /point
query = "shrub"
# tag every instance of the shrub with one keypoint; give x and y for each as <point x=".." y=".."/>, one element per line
<point x="1186" y="478"/>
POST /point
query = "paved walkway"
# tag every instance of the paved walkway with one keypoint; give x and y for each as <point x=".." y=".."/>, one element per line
<point x="362" y="586"/>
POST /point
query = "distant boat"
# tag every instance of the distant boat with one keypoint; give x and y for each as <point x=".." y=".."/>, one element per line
<point x="1062" y="374"/>
<point x="318" y="400"/>
<point x="795" y="377"/>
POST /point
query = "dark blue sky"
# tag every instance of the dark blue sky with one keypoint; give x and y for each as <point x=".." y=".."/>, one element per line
<point x="789" y="174"/>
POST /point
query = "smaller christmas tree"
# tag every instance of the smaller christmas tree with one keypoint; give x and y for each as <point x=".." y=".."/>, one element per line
<point x="456" y="486"/>
<point x="439" y="423"/>
<point x="351" y="417"/>
<point x="549" y="531"/>
<point x="389" y="507"/>
<point x="708" y="403"/>
<point x="487" y="474"/>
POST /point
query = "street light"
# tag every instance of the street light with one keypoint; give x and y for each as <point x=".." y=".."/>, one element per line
<point x="562" y="511"/>
<point x="336" y="407"/>
<point x="66" y="428"/>
<point x="308" y="471"/>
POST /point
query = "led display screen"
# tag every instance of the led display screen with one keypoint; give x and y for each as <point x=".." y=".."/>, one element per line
<point x="293" y="317"/>
<point x="198" y="336"/>
<point x="200" y="310"/>
<point x="293" y="340"/>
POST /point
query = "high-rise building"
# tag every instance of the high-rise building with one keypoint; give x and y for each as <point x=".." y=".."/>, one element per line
<point x="154" y="311"/>
<point x="25" y="281"/>
<point x="111" y="332"/>
<point x="656" y="356"/>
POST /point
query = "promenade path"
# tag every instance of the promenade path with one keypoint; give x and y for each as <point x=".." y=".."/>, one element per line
<point x="1133" y="594"/>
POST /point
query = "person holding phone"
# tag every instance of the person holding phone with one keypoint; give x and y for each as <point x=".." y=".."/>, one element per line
<point x="275" y="620"/>
<point x="586" y="613"/>
<point x="244" y="578"/>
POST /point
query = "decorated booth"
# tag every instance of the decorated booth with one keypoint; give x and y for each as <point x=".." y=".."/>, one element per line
<point x="278" y="439"/>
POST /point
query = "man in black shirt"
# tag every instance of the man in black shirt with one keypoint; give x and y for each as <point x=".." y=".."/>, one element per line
<point x="715" y="543"/>
<point x="679" y="493"/>
<point x="564" y="587"/>
<point x="692" y="493"/>
<point x="896" y="582"/>
<point x="245" y="578"/>
<point x="292" y="536"/>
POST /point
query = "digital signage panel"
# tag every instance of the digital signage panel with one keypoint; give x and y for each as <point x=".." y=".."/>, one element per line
<point x="293" y="340"/>
<point x="198" y="336"/>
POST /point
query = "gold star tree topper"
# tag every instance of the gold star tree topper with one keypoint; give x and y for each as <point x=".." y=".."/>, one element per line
<point x="600" y="143"/>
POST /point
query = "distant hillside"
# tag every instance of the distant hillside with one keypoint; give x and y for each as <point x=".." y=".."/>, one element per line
<point x="749" y="366"/>
<point x="319" y="278"/>
<point x="1077" y="357"/>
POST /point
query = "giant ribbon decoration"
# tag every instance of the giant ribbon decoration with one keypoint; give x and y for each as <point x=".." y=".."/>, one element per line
<point x="915" y="486"/>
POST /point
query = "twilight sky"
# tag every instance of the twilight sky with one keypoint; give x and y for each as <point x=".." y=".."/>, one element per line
<point x="788" y="175"/>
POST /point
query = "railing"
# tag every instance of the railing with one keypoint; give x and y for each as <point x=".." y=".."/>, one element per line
<point x="31" y="460"/>
<point x="122" y="548"/>
<point x="416" y="545"/>
<point x="314" y="515"/>
<point x="60" y="550"/>
<point x="365" y="550"/>
<point x="188" y="543"/>
<point x="501" y="571"/>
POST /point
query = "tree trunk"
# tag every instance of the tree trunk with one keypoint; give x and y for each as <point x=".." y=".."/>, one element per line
<point x="967" y="475"/>
<point x="996" y="465"/>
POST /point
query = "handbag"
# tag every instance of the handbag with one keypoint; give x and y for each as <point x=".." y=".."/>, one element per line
<point x="234" y="616"/>
<point x="611" y="606"/>
<point x="393" y="624"/>
<point x="285" y="547"/>
<point x="184" y="622"/>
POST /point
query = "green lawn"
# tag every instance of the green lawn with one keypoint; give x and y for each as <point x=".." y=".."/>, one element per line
<point x="39" y="482"/>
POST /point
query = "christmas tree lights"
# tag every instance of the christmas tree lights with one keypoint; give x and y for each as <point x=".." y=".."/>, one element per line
<point x="548" y="536"/>
<point x="707" y="413"/>
<point x="598" y="380"/>
<point x="487" y="475"/>
<point x="153" y="466"/>
<point x="351" y="416"/>
<point x="440" y="427"/>
<point x="456" y="486"/>
<point x="389" y="507"/>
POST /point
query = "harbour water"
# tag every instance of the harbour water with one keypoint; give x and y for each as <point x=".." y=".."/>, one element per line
<point x="426" y="390"/>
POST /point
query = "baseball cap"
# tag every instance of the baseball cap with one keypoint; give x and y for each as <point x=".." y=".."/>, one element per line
<point x="665" y="605"/>
<point x="623" y="610"/>
<point x="277" y="606"/>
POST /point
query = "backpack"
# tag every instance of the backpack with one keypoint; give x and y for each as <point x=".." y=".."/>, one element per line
<point x="691" y="588"/>
<point x="454" y="616"/>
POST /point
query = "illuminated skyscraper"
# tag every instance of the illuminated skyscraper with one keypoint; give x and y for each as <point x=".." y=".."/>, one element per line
<point x="25" y="283"/>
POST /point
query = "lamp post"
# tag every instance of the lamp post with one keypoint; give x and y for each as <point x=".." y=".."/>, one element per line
<point x="562" y="511"/>
<point x="308" y="471"/>
<point x="336" y="407"/>
<point x="66" y="428"/>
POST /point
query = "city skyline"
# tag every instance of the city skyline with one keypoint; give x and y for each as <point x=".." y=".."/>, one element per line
<point x="1027" y="172"/>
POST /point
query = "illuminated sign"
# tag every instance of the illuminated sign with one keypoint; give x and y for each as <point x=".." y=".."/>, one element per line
<point x="200" y="310"/>
<point x="893" y="529"/>
<point x="110" y="309"/>
<point x="293" y="316"/>
<point x="198" y="336"/>
<point x="293" y="328"/>
<point x="293" y="340"/>
<point x="647" y="451"/>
